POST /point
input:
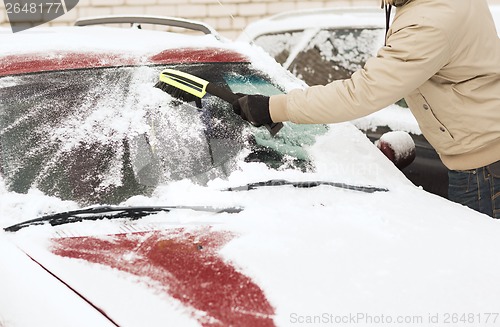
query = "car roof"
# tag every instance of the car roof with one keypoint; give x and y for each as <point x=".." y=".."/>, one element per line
<point x="337" y="17"/>
<point x="73" y="47"/>
<point x="56" y="48"/>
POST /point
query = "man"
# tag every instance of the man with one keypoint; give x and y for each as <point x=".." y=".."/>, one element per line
<point x="443" y="57"/>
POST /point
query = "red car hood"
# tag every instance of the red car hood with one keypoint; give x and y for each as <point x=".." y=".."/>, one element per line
<point x="179" y="269"/>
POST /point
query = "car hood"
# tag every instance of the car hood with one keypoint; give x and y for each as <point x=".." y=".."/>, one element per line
<point x="168" y="275"/>
<point x="292" y="255"/>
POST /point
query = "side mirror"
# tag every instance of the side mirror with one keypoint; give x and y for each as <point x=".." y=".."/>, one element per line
<point x="398" y="147"/>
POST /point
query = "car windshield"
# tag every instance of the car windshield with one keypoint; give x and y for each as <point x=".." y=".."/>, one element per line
<point x="103" y="135"/>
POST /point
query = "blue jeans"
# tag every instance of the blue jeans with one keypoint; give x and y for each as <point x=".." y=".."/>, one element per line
<point x="479" y="189"/>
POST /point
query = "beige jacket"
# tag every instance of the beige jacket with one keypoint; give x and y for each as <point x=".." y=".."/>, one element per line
<point x="443" y="57"/>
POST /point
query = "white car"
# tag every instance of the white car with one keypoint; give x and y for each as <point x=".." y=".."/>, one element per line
<point x="123" y="206"/>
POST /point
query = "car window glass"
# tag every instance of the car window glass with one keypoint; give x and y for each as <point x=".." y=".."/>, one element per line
<point x="335" y="54"/>
<point x="280" y="45"/>
<point x="82" y="134"/>
<point x="291" y="140"/>
<point x="250" y="84"/>
<point x="103" y="135"/>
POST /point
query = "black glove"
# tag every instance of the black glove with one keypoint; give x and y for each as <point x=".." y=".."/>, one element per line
<point x="254" y="109"/>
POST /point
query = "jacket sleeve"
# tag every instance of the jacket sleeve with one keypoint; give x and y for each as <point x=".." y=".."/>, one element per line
<point x="413" y="54"/>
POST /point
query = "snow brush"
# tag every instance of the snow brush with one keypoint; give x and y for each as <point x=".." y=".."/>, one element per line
<point x="187" y="87"/>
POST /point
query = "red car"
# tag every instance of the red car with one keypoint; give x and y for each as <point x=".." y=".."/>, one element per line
<point x="121" y="205"/>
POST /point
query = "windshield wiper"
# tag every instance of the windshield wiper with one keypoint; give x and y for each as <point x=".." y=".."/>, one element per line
<point x="132" y="213"/>
<point x="306" y="184"/>
<point x="109" y="212"/>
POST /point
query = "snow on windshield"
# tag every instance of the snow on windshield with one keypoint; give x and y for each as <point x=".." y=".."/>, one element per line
<point x="78" y="140"/>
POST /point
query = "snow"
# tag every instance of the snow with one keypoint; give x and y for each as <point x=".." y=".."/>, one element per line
<point x="400" y="141"/>
<point x="87" y="39"/>
<point x="495" y="11"/>
<point x="45" y="301"/>
<point x="394" y="117"/>
<point x="313" y="251"/>
<point x="315" y="18"/>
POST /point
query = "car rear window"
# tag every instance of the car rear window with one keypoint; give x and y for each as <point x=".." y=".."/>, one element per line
<point x="103" y="135"/>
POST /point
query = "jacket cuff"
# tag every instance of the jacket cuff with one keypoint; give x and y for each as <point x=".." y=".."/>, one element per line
<point x="278" y="108"/>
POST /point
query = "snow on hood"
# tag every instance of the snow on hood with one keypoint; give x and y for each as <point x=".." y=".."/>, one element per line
<point x="314" y="251"/>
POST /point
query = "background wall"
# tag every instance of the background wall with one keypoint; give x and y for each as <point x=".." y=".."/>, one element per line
<point x="229" y="17"/>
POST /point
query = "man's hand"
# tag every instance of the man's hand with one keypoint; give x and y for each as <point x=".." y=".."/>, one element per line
<point x="254" y="109"/>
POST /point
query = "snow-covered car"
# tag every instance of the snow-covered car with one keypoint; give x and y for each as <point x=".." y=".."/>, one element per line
<point x="123" y="206"/>
<point x="327" y="44"/>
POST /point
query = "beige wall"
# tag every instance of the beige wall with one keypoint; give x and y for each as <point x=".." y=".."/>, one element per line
<point x="229" y="17"/>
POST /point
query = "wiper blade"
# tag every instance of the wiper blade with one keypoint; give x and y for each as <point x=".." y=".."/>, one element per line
<point x="307" y="184"/>
<point x="109" y="212"/>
